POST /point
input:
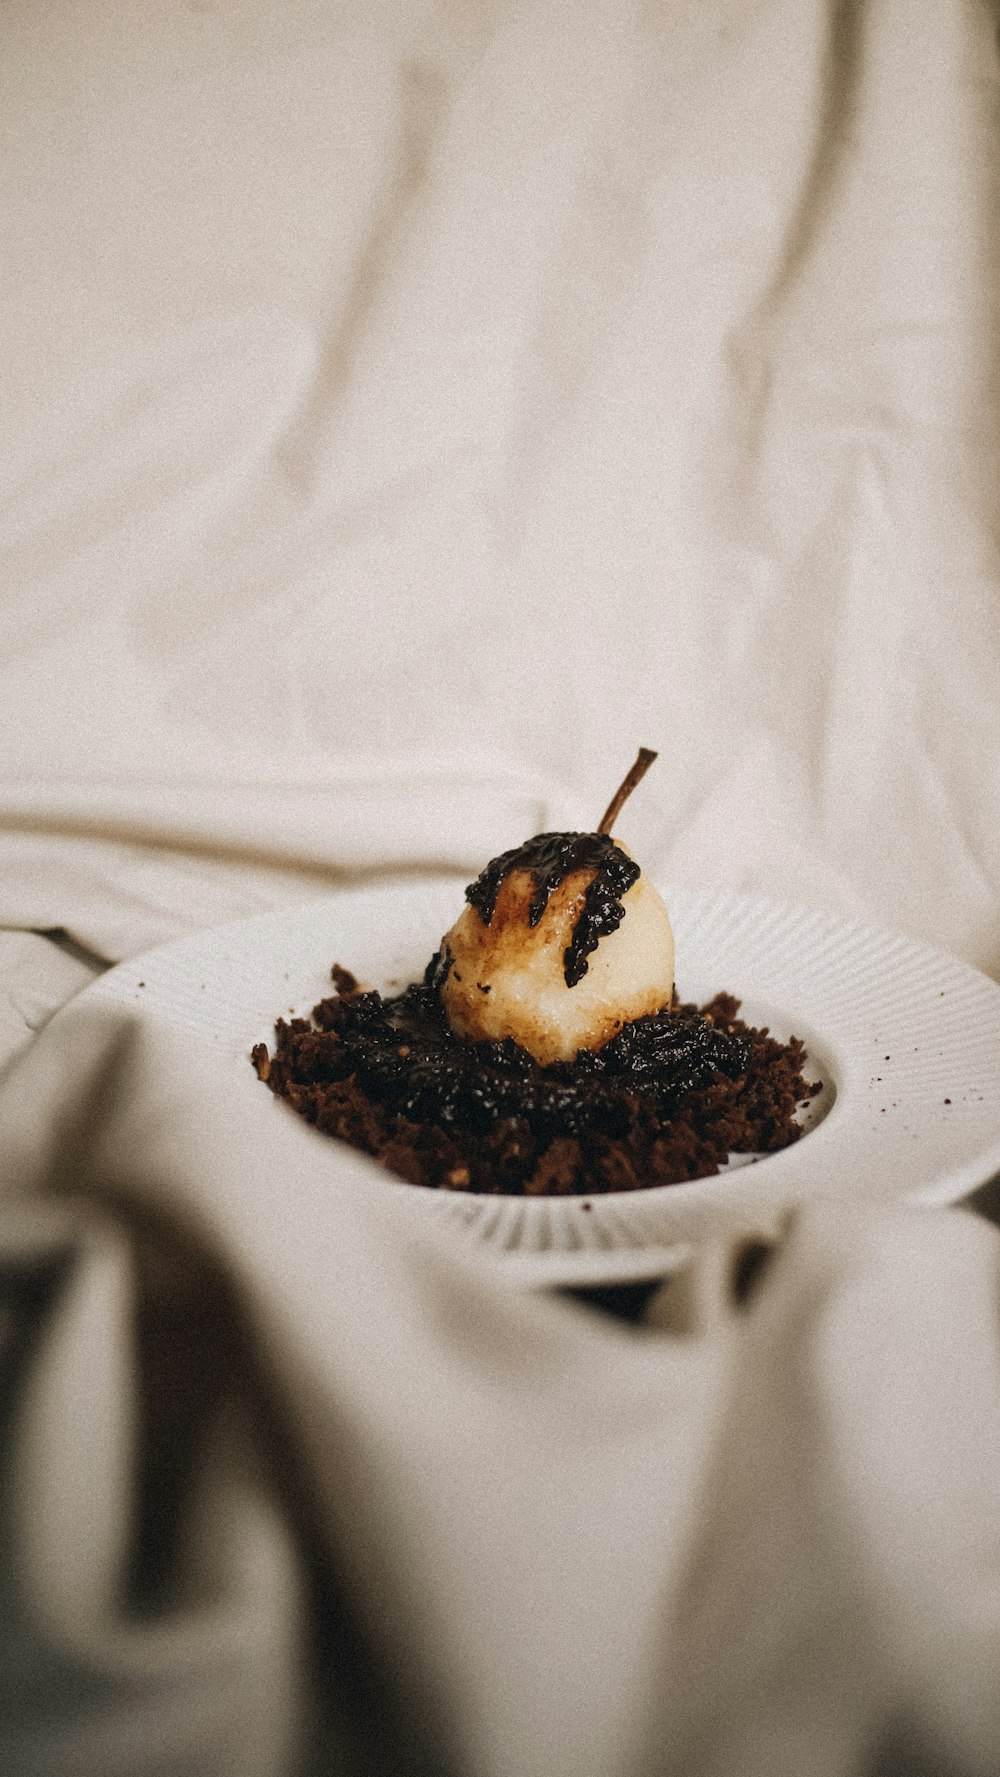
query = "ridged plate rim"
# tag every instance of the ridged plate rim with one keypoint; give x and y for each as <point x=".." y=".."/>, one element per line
<point x="906" y="1037"/>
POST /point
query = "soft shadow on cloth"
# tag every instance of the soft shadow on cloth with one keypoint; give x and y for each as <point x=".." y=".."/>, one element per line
<point x="294" y="1482"/>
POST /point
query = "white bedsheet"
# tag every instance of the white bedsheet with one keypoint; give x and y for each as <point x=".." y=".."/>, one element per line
<point x="525" y="382"/>
<point x="406" y="411"/>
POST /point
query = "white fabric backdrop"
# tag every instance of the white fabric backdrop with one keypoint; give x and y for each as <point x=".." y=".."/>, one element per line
<point x="406" y="410"/>
<point x="516" y="382"/>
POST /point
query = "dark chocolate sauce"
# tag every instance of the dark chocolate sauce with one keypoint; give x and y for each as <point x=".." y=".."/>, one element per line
<point x="550" y="858"/>
<point x="406" y="1058"/>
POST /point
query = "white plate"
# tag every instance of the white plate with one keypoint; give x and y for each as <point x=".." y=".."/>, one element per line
<point x="905" y="1039"/>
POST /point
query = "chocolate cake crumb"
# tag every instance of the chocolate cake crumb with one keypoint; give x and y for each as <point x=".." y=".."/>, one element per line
<point x="668" y="1099"/>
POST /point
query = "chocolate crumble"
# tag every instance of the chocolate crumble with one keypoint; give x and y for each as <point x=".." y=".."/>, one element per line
<point x="665" y="1100"/>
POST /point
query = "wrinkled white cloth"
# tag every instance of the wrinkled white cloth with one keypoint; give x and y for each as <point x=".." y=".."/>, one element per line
<point x="519" y="382"/>
<point x="121" y="866"/>
<point x="36" y="978"/>
<point x="407" y="412"/>
<point x="294" y="1481"/>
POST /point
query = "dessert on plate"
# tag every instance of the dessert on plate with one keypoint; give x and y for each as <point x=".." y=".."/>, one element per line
<point x="545" y="1051"/>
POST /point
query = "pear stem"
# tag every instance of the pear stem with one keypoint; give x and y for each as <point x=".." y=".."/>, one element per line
<point x="644" y="760"/>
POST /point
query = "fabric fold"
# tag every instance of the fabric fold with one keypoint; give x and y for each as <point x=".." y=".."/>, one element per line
<point x="329" y="1486"/>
